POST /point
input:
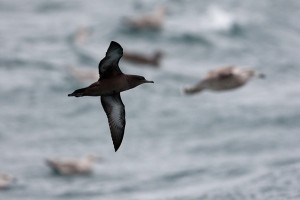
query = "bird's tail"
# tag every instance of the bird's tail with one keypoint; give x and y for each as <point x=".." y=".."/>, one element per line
<point x="191" y="90"/>
<point x="77" y="93"/>
<point x="53" y="165"/>
<point x="49" y="162"/>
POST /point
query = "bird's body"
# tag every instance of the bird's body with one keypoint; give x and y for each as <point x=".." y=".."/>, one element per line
<point x="71" y="166"/>
<point x="110" y="86"/>
<point x="221" y="79"/>
<point x="111" y="82"/>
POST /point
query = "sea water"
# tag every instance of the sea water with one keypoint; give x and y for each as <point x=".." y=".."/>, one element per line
<point x="240" y="144"/>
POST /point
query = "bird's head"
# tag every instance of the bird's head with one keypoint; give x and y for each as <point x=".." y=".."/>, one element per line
<point x="254" y="73"/>
<point x="250" y="72"/>
<point x="135" y="80"/>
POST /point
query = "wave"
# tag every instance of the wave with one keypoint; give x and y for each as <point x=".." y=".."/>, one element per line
<point x="217" y="19"/>
<point x="201" y="28"/>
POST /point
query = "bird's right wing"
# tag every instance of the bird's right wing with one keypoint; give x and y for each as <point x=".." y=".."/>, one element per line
<point x="109" y="65"/>
<point x="225" y="75"/>
<point x="225" y="72"/>
<point x="115" y="111"/>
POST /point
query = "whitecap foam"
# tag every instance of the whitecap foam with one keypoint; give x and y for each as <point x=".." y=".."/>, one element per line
<point x="218" y="19"/>
<point x="197" y="25"/>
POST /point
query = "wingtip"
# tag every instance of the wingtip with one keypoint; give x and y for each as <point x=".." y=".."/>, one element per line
<point x="116" y="147"/>
<point x="114" y="44"/>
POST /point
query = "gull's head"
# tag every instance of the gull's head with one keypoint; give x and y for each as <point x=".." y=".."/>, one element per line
<point x="248" y="72"/>
<point x="254" y="73"/>
<point x="244" y="72"/>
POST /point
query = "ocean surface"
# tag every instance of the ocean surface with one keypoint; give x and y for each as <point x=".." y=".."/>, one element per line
<point x="242" y="144"/>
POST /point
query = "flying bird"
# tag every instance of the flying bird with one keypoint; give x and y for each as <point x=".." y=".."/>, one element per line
<point x="72" y="166"/>
<point x="111" y="83"/>
<point x="223" y="78"/>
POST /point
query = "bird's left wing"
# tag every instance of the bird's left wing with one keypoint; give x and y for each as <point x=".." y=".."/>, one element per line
<point x="115" y="111"/>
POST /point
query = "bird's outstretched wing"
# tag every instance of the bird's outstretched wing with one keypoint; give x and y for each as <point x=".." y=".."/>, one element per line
<point x="225" y="72"/>
<point x="115" y="111"/>
<point x="225" y="75"/>
<point x="109" y="65"/>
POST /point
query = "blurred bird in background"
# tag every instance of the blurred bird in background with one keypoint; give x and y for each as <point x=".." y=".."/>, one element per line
<point x="223" y="78"/>
<point x="72" y="166"/>
<point x="153" y="20"/>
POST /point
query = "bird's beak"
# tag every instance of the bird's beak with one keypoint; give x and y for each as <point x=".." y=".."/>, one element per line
<point x="146" y="81"/>
<point x="261" y="75"/>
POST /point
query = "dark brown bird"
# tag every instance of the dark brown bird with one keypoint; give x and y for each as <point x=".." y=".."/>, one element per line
<point x="139" y="58"/>
<point x="111" y="82"/>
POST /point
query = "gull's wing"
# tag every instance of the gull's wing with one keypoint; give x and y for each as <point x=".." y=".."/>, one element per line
<point x="225" y="75"/>
<point x="221" y="73"/>
<point x="115" y="111"/>
<point x="109" y="65"/>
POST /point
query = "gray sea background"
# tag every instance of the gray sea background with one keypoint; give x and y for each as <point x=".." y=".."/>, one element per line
<point x="237" y="145"/>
